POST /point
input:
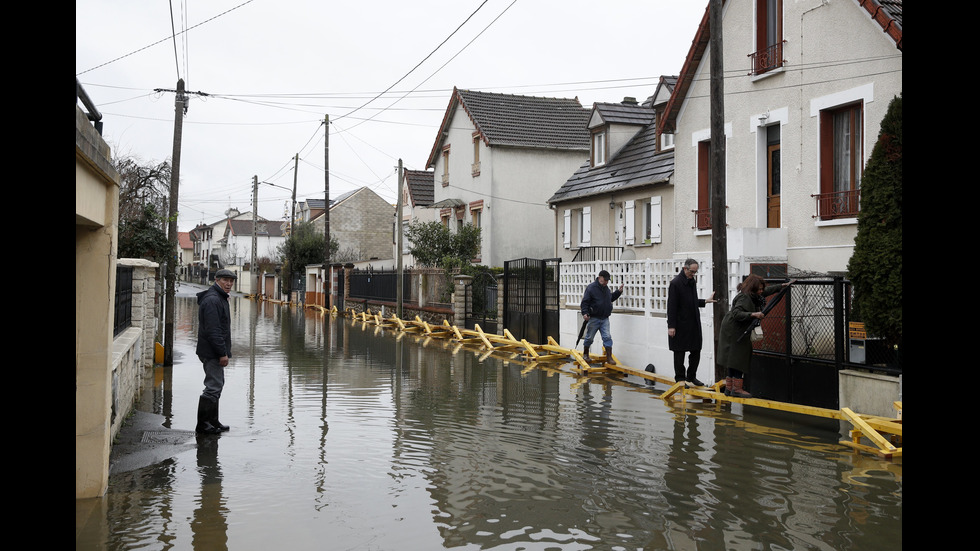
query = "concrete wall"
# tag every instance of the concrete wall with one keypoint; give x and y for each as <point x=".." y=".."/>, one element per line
<point x="96" y="230"/>
<point x="869" y="393"/>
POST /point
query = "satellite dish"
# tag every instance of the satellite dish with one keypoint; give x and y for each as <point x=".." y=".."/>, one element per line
<point x="628" y="254"/>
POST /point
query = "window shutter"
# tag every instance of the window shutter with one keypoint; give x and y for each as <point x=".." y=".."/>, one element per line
<point x="568" y="229"/>
<point x="630" y="222"/>
<point x="656" y="220"/>
<point x="586" y="225"/>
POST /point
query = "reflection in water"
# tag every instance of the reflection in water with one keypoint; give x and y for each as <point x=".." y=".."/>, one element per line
<point x="348" y="436"/>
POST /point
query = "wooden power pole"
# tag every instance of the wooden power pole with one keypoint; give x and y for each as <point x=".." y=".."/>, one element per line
<point x="180" y="107"/>
<point x="716" y="172"/>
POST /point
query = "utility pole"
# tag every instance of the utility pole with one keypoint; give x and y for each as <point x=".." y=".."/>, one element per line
<point x="292" y="216"/>
<point x="254" y="273"/>
<point x="180" y="107"/>
<point x="719" y="219"/>
<point x="398" y="242"/>
<point x="326" y="190"/>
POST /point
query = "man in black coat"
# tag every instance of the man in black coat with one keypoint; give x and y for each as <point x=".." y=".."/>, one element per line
<point x="213" y="348"/>
<point x="684" y="322"/>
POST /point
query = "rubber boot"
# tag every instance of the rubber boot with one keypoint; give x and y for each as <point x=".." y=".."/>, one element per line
<point x="215" y="421"/>
<point x="205" y="416"/>
<point x="737" y="390"/>
<point x="609" y="356"/>
<point x="728" y="386"/>
<point x="586" y="356"/>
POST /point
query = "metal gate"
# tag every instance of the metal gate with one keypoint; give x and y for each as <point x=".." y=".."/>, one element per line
<point x="481" y="302"/>
<point x="531" y="305"/>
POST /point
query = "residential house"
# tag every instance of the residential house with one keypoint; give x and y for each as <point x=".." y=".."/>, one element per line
<point x="617" y="205"/>
<point x="417" y="193"/>
<point x="497" y="159"/>
<point x="236" y="243"/>
<point x="813" y="76"/>
<point x="309" y="209"/>
<point x="211" y="246"/>
<point x="361" y="221"/>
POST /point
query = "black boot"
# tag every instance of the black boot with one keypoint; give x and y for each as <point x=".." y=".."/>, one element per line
<point x="215" y="421"/>
<point x="586" y="356"/>
<point x="692" y="379"/>
<point x="609" y="356"/>
<point x="205" y="416"/>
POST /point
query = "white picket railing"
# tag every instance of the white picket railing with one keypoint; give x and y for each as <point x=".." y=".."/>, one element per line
<point x="645" y="282"/>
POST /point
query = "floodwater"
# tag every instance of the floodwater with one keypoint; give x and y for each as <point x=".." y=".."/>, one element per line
<point x="346" y="436"/>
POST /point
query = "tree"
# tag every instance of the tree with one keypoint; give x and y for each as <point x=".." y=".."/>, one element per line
<point x="144" y="199"/>
<point x="432" y="244"/>
<point x="142" y="183"/>
<point x="875" y="268"/>
<point x="145" y="237"/>
<point x="304" y="246"/>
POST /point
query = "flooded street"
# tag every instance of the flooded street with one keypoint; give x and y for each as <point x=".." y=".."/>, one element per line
<point x="345" y="436"/>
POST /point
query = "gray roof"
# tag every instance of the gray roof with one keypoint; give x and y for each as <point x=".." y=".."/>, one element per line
<point x="272" y="228"/>
<point x="637" y="164"/>
<point x="625" y="113"/>
<point x="505" y="119"/>
<point x="520" y="121"/>
<point x="421" y="186"/>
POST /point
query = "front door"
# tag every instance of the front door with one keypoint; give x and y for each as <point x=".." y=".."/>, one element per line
<point x="772" y="185"/>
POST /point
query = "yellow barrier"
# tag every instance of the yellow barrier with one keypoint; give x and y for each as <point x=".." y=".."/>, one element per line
<point x="882" y="432"/>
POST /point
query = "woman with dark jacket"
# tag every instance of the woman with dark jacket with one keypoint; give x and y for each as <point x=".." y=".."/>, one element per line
<point x="735" y="352"/>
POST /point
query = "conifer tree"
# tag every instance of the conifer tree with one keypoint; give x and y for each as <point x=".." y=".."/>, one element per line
<point x="875" y="269"/>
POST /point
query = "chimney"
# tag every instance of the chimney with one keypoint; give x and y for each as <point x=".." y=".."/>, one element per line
<point x="628" y="100"/>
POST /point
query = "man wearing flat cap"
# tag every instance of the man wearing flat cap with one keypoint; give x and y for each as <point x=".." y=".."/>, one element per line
<point x="213" y="348"/>
<point x="596" y="308"/>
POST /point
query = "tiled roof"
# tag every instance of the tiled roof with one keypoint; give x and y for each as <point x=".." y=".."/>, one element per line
<point x="421" y="186"/>
<point x="637" y="164"/>
<point x="888" y="14"/>
<point x="520" y="121"/>
<point x="272" y="228"/>
<point x="184" y="239"/>
<point x="623" y="113"/>
<point x="314" y="204"/>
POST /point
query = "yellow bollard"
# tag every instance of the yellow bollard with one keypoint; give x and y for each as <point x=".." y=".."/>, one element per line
<point x="157" y="353"/>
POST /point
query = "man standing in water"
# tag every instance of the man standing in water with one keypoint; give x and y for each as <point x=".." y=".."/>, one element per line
<point x="213" y="348"/>
<point x="684" y="322"/>
<point x="596" y="309"/>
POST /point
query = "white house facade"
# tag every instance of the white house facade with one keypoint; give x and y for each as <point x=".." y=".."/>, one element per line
<point x="807" y="84"/>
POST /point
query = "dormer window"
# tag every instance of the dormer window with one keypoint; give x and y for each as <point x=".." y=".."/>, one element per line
<point x="599" y="147"/>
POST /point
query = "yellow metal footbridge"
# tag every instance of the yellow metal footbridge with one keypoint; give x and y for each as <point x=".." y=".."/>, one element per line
<point x="876" y="435"/>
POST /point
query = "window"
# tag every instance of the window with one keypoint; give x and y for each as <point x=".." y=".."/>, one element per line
<point x="445" y="166"/>
<point x="476" y="154"/>
<point x="841" y="161"/>
<point x="599" y="148"/>
<point x="444" y="215"/>
<point x="666" y="141"/>
<point x="703" y="213"/>
<point x="652" y="221"/>
<point x="476" y="213"/>
<point x="768" y="36"/>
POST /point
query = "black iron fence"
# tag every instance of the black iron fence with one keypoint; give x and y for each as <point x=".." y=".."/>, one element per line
<point x="123" y="315"/>
<point x="808" y="337"/>
<point x="531" y="303"/>
<point x="481" y="302"/>
<point x="380" y="285"/>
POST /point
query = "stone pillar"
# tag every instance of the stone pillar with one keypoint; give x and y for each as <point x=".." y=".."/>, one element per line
<point x="460" y="282"/>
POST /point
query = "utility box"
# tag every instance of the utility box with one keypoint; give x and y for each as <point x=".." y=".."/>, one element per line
<point x="857" y="339"/>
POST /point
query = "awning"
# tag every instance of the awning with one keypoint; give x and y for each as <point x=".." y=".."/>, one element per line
<point x="447" y="204"/>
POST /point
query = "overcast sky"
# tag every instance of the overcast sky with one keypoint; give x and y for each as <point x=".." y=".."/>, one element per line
<point x="262" y="74"/>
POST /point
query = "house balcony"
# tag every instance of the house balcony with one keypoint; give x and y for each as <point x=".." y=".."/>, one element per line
<point x="767" y="59"/>
<point x="838" y="204"/>
<point x="702" y="219"/>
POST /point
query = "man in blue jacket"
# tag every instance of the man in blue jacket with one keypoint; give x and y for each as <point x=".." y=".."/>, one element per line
<point x="213" y="348"/>
<point x="596" y="309"/>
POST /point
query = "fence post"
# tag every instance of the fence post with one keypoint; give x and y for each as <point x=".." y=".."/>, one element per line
<point x="840" y="333"/>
